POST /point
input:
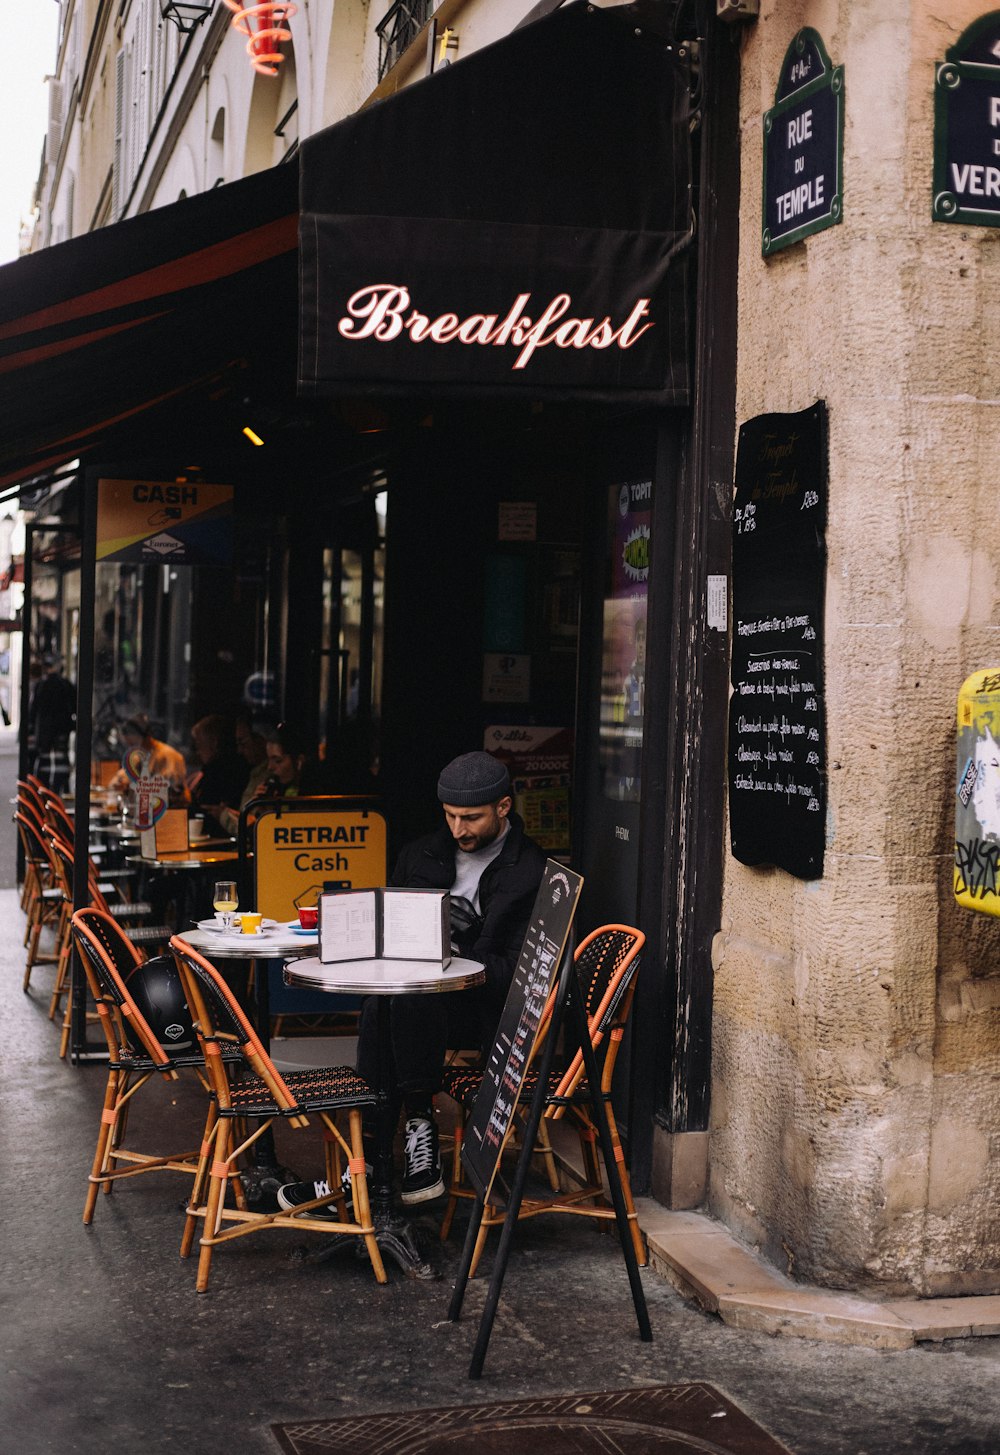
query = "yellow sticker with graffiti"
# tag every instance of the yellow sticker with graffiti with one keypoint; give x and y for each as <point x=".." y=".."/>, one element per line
<point x="977" y="793"/>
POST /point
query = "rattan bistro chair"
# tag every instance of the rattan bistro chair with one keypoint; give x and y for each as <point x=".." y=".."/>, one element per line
<point x="256" y="1092"/>
<point x="44" y="899"/>
<point x="142" y="937"/>
<point x="128" y="992"/>
<point x="606" y="963"/>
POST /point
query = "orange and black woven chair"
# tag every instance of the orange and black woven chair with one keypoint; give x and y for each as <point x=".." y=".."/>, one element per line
<point x="142" y="937"/>
<point x="113" y="879"/>
<point x="256" y="1093"/>
<point x="147" y="1025"/>
<point x="44" y="902"/>
<point x="606" y="963"/>
<point x="30" y="804"/>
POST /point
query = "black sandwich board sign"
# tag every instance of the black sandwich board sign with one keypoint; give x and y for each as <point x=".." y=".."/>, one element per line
<point x="543" y="956"/>
<point x="803" y="146"/>
<point x="517" y="1034"/>
<point x="967" y="128"/>
<point x="777" y="749"/>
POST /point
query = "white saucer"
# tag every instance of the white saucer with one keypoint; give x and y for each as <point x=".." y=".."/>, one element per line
<point x="218" y="927"/>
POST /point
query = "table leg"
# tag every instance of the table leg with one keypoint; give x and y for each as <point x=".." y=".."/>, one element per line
<point x="262" y="1180"/>
<point x="393" y="1231"/>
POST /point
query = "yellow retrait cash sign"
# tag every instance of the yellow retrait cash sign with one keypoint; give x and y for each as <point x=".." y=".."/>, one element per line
<point x="299" y="853"/>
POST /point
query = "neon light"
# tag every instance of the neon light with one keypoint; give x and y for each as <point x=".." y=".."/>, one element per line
<point x="265" y="25"/>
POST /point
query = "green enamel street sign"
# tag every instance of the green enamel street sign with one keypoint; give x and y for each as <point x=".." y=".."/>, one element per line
<point x="803" y="146"/>
<point x="967" y="128"/>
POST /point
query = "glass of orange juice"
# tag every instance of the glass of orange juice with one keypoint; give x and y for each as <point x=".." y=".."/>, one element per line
<point x="225" y="900"/>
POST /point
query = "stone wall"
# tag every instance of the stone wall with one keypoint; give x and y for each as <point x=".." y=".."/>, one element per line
<point x="856" y="1038"/>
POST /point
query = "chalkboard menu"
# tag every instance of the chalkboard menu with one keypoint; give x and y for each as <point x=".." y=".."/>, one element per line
<point x="517" y="1033"/>
<point x="777" y="749"/>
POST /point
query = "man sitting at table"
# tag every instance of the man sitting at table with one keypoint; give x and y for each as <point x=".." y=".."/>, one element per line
<point x="483" y="856"/>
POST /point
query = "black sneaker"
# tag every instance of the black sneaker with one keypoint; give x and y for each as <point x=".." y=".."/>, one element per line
<point x="294" y="1194"/>
<point x="422" y="1177"/>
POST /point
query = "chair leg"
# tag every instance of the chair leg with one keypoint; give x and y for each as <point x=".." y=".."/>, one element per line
<point x="359" y="1191"/>
<point x="457" y="1176"/>
<point x="544" y="1149"/>
<point x="626" y="1185"/>
<point x="198" y="1186"/>
<point x="61" y="985"/>
<point x="490" y="1219"/>
<point x="222" y="1144"/>
<point x="67" y="1026"/>
<point x="109" y="1117"/>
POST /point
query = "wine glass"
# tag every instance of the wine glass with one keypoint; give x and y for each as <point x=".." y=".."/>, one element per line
<point x="225" y="900"/>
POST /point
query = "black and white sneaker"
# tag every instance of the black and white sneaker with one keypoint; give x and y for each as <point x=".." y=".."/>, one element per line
<point x="294" y="1194"/>
<point x="422" y="1177"/>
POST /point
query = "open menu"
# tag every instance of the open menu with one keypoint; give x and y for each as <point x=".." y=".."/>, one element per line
<point x="169" y="835"/>
<point x="390" y="924"/>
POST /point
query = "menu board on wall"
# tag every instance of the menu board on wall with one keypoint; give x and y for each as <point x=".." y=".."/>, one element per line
<point x="777" y="748"/>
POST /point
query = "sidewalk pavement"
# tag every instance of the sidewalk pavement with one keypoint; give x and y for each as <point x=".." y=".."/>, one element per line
<point x="103" y="1331"/>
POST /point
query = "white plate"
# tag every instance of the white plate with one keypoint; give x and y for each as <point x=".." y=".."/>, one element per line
<point x="217" y="925"/>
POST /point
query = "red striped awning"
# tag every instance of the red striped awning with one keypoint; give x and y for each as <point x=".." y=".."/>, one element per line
<point x="97" y="331"/>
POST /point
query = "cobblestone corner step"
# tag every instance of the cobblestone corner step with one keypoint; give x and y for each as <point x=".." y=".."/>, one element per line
<point x="703" y="1261"/>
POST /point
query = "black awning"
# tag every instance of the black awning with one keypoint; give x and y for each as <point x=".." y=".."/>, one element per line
<point x="98" y="330"/>
<point x="516" y="223"/>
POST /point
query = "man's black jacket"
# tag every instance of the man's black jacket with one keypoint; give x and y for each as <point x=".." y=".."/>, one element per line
<point x="506" y="896"/>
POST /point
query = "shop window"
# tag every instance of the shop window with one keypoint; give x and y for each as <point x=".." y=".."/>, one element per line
<point x="623" y="651"/>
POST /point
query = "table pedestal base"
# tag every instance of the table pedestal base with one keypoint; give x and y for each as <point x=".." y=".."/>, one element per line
<point x="396" y="1239"/>
<point x="260" y="1185"/>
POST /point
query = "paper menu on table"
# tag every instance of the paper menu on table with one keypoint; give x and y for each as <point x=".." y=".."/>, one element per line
<point x="398" y="924"/>
<point x="348" y="925"/>
<point x="416" y="925"/>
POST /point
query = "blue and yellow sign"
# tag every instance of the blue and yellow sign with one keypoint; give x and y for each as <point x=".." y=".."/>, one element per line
<point x="186" y="522"/>
<point x="977" y="793"/>
<point x="298" y="853"/>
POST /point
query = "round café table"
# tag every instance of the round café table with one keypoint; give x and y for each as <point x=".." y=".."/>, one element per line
<point x="383" y="979"/>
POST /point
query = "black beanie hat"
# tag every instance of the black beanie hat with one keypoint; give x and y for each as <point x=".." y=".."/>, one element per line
<point x="473" y="779"/>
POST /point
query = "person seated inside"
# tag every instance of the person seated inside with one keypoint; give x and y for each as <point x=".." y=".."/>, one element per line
<point x="250" y="739"/>
<point x="221" y="775"/>
<point x="492" y="869"/>
<point x="286" y="758"/>
<point x="162" y="761"/>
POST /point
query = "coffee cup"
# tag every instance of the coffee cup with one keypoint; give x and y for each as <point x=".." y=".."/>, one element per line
<point x="196" y="826"/>
<point x="250" y="923"/>
<point x="309" y="918"/>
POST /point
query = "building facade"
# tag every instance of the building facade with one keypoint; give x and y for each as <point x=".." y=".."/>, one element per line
<point x="817" y="1056"/>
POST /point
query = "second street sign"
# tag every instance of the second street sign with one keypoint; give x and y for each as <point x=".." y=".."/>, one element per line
<point x="967" y="128"/>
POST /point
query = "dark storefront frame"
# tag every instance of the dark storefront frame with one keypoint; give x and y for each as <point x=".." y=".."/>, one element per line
<point x="679" y="890"/>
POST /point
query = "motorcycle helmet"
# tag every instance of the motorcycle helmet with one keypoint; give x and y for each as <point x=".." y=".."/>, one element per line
<point x="155" y="986"/>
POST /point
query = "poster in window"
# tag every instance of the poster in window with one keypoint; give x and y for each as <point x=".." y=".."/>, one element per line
<point x="623" y="652"/>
